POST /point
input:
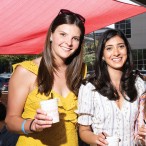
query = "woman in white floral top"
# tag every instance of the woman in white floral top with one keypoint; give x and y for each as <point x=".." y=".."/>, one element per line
<point x="108" y="100"/>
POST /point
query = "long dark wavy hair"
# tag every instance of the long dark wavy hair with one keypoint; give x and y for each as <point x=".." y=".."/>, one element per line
<point x="74" y="63"/>
<point x="101" y="79"/>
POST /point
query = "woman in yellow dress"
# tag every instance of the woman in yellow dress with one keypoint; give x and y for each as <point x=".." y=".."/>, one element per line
<point x="57" y="73"/>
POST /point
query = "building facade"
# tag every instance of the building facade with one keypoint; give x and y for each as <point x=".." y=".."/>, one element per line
<point x="135" y="30"/>
<point x="138" y="41"/>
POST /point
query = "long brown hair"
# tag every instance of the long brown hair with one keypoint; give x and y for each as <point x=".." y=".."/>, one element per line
<point x="74" y="63"/>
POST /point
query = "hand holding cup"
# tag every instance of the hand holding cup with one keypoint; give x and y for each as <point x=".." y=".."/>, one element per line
<point x="113" y="140"/>
<point x="51" y="108"/>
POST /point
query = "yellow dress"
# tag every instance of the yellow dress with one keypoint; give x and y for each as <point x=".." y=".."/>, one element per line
<point x="62" y="133"/>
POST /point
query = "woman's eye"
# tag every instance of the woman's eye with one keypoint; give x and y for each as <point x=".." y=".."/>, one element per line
<point x="122" y="46"/>
<point x="108" y="48"/>
<point x="76" y="39"/>
<point x="63" y="34"/>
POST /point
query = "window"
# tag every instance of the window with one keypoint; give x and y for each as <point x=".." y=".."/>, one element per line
<point x="125" y="26"/>
<point x="139" y="58"/>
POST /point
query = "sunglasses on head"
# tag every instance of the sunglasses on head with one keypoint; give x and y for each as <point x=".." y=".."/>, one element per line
<point x="64" y="11"/>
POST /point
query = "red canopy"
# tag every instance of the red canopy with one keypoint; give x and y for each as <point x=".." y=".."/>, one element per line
<point x="24" y="23"/>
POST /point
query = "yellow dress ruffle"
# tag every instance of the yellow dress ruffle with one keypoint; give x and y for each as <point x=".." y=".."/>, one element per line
<point x="60" y="134"/>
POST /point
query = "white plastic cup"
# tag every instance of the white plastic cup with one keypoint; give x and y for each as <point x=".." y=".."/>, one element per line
<point x="113" y="140"/>
<point x="51" y="107"/>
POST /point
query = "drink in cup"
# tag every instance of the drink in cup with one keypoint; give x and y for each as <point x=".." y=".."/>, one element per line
<point x="113" y="140"/>
<point x="51" y="107"/>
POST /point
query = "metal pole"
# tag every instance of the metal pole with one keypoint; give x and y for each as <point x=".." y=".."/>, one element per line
<point x="94" y="39"/>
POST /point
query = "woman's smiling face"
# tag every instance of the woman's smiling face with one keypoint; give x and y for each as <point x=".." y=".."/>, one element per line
<point x="65" y="40"/>
<point x="115" y="53"/>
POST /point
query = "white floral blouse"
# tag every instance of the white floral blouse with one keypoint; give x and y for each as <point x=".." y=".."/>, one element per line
<point x="105" y="116"/>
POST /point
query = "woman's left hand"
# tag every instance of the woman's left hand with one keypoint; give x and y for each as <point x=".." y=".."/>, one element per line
<point x="142" y="133"/>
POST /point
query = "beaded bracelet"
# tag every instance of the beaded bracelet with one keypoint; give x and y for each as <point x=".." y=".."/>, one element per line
<point x="31" y="125"/>
<point x="22" y="127"/>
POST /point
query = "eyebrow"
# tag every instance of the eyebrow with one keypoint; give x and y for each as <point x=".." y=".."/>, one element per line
<point x="67" y="33"/>
<point x="117" y="44"/>
<point x="121" y="43"/>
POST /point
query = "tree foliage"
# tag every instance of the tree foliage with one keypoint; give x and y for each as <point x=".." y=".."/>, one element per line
<point x="16" y="58"/>
<point x="89" y="53"/>
<point x="6" y="61"/>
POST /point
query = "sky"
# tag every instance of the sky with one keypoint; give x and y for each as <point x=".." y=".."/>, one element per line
<point x="129" y="2"/>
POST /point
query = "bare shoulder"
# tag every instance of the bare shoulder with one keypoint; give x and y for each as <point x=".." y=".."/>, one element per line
<point x="37" y="61"/>
<point x="20" y="71"/>
<point x="22" y="76"/>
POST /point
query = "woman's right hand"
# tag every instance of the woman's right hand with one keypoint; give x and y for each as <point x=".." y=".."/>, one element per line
<point x="142" y="133"/>
<point x="41" y="121"/>
<point x="101" y="139"/>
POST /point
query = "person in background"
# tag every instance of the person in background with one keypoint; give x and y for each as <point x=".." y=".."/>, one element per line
<point x="6" y="138"/>
<point x="142" y="76"/>
<point x="141" y="122"/>
<point x="108" y="100"/>
<point x="57" y="74"/>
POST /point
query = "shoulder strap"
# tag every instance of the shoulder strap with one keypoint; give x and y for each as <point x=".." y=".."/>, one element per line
<point x="29" y="65"/>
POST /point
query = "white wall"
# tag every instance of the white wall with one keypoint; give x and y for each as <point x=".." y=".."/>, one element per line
<point x="138" y="32"/>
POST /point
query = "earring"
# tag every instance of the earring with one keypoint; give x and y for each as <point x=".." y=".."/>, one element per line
<point x="50" y="39"/>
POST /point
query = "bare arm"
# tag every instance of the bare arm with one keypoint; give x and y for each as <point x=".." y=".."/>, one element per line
<point x="21" y="83"/>
<point x="140" y="120"/>
<point x="89" y="137"/>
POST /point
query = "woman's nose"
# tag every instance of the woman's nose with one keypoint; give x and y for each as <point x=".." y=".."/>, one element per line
<point x="116" y="52"/>
<point x="69" y="41"/>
